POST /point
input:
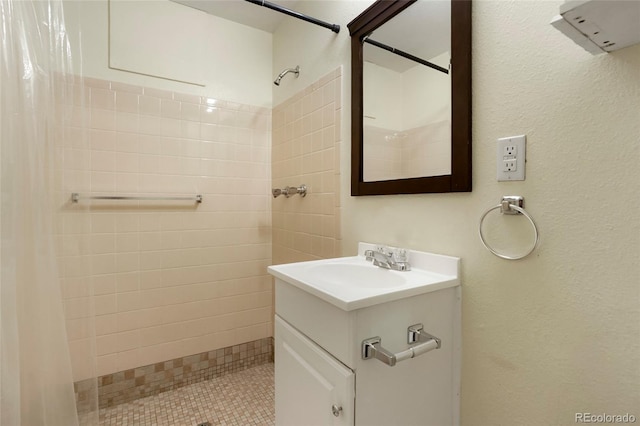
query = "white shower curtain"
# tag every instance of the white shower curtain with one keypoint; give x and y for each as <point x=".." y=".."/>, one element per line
<point x="36" y="384"/>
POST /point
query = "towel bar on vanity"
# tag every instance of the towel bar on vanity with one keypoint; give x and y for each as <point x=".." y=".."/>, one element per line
<point x="372" y="348"/>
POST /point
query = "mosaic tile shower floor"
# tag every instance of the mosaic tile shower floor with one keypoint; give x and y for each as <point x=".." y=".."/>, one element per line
<point x="243" y="398"/>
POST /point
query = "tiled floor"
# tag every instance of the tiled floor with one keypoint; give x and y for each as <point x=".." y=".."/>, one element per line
<point x="243" y="398"/>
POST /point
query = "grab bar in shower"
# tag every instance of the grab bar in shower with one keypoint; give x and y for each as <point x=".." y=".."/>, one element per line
<point x="372" y="347"/>
<point x="76" y="197"/>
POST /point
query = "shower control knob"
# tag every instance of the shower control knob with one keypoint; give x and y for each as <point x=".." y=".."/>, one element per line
<point x="336" y="410"/>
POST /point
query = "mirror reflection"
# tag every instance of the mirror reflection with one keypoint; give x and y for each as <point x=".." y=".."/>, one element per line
<point x="407" y="94"/>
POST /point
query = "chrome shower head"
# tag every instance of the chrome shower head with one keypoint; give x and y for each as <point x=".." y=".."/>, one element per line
<point x="295" y="70"/>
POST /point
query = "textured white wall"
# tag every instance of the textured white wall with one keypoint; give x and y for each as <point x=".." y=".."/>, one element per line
<point x="556" y="333"/>
<point x="236" y="58"/>
<point x="317" y="50"/>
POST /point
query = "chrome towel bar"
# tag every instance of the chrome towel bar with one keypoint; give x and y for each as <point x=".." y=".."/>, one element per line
<point x="75" y="197"/>
<point x="372" y="347"/>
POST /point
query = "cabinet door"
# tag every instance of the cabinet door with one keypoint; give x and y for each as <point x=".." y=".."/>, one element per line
<point x="310" y="383"/>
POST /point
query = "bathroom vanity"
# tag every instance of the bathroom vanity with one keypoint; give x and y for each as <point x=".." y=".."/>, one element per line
<point x="342" y="333"/>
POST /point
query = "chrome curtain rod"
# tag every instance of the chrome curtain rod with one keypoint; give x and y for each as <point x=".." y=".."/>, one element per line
<point x="75" y="197"/>
<point x="405" y="55"/>
<point x="333" y="27"/>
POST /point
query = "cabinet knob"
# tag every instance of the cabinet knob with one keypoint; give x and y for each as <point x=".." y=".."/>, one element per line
<point x="336" y="410"/>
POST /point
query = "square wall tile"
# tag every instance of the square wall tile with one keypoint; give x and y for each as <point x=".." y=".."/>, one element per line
<point x="146" y="263"/>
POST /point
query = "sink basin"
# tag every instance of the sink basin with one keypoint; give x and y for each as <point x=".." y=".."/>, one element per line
<point x="352" y="273"/>
<point x="352" y="282"/>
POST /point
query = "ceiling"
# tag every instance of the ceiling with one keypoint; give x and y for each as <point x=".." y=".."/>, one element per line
<point x="243" y="12"/>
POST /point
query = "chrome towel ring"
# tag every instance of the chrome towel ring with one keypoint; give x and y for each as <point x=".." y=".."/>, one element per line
<point x="514" y="205"/>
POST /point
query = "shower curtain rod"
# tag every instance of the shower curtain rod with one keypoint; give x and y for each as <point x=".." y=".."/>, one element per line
<point x="333" y="27"/>
<point x="405" y="55"/>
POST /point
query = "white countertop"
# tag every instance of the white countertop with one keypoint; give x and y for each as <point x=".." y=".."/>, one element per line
<point x="351" y="283"/>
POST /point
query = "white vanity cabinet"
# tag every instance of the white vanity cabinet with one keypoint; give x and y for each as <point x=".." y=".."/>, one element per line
<point x="321" y="377"/>
<point x="313" y="387"/>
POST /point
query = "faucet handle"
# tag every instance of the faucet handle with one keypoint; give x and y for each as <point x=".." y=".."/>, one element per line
<point x="400" y="255"/>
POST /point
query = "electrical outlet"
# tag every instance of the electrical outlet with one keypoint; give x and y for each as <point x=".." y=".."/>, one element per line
<point x="509" y="165"/>
<point x="510" y="151"/>
<point x="511" y="157"/>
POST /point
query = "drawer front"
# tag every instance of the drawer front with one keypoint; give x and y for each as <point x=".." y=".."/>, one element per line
<point x="330" y="327"/>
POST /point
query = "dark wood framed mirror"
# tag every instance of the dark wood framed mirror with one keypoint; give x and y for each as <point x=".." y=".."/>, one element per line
<point x="453" y="174"/>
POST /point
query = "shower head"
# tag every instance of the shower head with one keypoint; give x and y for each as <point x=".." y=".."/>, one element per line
<point x="283" y="73"/>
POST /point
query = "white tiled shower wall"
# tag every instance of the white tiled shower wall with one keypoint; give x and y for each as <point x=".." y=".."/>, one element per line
<point x="170" y="278"/>
<point x="306" y="150"/>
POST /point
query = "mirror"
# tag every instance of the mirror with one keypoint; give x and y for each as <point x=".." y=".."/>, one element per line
<point x="411" y="97"/>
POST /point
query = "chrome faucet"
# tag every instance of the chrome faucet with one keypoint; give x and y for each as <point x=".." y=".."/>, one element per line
<point x="386" y="258"/>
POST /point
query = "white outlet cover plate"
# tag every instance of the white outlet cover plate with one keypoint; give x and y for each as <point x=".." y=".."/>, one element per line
<point x="511" y="149"/>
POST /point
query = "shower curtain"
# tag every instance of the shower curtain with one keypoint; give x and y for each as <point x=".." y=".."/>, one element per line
<point x="36" y="384"/>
